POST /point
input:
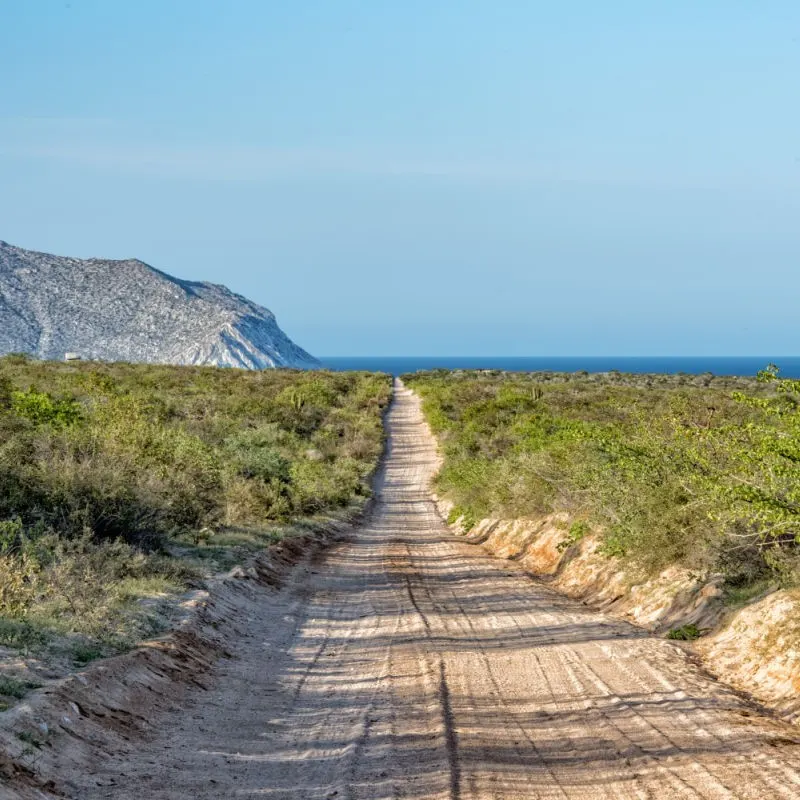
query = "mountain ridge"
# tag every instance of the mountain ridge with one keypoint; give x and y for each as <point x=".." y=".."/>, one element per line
<point x="126" y="310"/>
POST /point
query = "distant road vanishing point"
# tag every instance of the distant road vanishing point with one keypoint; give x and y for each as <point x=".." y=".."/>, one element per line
<point x="404" y="663"/>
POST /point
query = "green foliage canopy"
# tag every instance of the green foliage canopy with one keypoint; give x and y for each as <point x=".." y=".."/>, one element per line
<point x="699" y="471"/>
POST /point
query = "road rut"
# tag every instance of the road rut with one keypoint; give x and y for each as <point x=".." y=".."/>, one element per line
<point x="403" y="663"/>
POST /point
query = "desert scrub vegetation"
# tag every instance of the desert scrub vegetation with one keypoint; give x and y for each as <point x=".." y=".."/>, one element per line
<point x="123" y="482"/>
<point x="700" y="471"/>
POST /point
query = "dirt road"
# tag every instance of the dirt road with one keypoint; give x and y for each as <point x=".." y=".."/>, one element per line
<point x="406" y="664"/>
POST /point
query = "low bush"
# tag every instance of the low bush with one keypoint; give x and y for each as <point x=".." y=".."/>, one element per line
<point x="686" y="633"/>
<point x="107" y="471"/>
<point x="14" y="687"/>
<point x="691" y="470"/>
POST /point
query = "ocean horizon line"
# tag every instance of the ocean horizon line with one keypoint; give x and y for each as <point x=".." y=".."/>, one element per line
<point x="693" y="365"/>
<point x="615" y="355"/>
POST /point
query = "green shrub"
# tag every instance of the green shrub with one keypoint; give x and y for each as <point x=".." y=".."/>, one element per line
<point x="104" y="468"/>
<point x="21" y="635"/>
<point x="11" y="535"/>
<point x="465" y="516"/>
<point x="255" y="455"/>
<point x="43" y="409"/>
<point x="14" y="687"/>
<point x="83" y="653"/>
<point x="686" y="633"/>
<point x="691" y="470"/>
<point x="576" y="531"/>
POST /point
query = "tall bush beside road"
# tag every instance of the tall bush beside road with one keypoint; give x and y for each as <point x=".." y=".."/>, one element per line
<point x="120" y="482"/>
<point x="691" y="470"/>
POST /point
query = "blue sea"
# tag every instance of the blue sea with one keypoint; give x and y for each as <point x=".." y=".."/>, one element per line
<point x="693" y="365"/>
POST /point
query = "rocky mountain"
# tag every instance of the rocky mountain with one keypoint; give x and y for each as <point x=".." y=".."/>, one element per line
<point x="129" y="311"/>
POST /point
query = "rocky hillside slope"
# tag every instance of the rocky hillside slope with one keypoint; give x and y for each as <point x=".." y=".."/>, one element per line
<point x="129" y="311"/>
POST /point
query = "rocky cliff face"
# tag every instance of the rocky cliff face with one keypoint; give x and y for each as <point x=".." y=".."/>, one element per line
<point x="128" y="311"/>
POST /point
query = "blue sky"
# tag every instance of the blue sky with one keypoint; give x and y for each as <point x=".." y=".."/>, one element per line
<point x="440" y="177"/>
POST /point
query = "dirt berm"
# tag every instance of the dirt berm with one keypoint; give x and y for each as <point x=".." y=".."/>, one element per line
<point x="755" y="648"/>
<point x="72" y="725"/>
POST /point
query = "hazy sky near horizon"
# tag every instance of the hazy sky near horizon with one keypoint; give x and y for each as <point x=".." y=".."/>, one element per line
<point x="425" y="177"/>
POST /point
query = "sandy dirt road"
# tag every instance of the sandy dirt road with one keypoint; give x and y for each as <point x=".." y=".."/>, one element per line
<point x="403" y="663"/>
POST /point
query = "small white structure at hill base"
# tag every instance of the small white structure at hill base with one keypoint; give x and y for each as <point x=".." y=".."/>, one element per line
<point x="72" y="356"/>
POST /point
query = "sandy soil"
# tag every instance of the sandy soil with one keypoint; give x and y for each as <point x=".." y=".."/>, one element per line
<point x="403" y="663"/>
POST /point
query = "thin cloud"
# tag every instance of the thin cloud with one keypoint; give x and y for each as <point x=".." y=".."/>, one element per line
<point x="99" y="144"/>
<point x="260" y="163"/>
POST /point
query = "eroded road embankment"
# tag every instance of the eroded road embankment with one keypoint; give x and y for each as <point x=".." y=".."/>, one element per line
<point x="403" y="663"/>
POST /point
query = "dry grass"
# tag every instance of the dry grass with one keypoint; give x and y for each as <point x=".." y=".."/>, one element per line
<point x="122" y="485"/>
